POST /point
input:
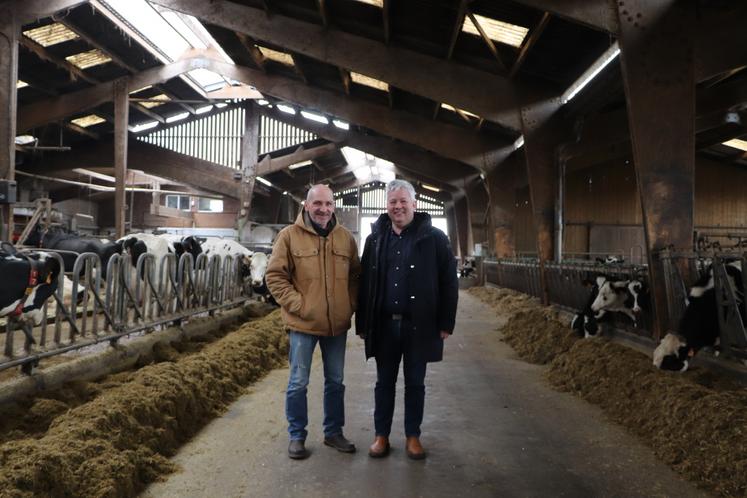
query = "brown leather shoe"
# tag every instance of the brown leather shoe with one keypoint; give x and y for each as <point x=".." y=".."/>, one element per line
<point x="379" y="448"/>
<point x="414" y="449"/>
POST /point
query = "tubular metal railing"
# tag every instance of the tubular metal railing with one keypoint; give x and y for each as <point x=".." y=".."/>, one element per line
<point x="133" y="298"/>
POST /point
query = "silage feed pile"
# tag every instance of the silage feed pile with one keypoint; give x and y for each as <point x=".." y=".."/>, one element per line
<point x="113" y="437"/>
<point x="696" y="422"/>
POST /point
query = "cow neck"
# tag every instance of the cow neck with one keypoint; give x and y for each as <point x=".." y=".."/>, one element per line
<point x="33" y="281"/>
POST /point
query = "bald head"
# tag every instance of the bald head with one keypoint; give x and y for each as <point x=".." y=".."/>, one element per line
<point x="320" y="204"/>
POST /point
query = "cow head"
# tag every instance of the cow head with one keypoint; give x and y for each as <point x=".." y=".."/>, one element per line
<point x="672" y="354"/>
<point x="257" y="268"/>
<point x="48" y="268"/>
<point x="191" y="244"/>
<point x="134" y="247"/>
<point x="609" y="292"/>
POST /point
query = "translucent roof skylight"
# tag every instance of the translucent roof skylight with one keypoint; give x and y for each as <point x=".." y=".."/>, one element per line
<point x="496" y="30"/>
<point x="737" y="144"/>
<point x="161" y="98"/>
<point x="86" y="121"/>
<point x="276" y="55"/>
<point x="88" y="59"/>
<point x="21" y="84"/>
<point x="454" y="109"/>
<point x="377" y="3"/>
<point x="51" y="34"/>
<point x="362" y="79"/>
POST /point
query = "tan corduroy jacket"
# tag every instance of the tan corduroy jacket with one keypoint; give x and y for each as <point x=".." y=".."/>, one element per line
<point x="314" y="278"/>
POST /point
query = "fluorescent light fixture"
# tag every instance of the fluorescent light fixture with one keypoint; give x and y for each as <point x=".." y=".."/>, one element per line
<point x="341" y="124"/>
<point x="300" y="165"/>
<point x="314" y="117"/>
<point x="21" y="84"/>
<point x="51" y="34"/>
<point x="262" y="102"/>
<point x="221" y="105"/>
<point x="286" y="109"/>
<point x="91" y="58"/>
<point x="204" y="109"/>
<point x="144" y="126"/>
<point x="177" y="117"/>
<point x="496" y="30"/>
<point x="362" y="79"/>
<point x="24" y="139"/>
<point x="86" y="121"/>
<point x="737" y="144"/>
<point x="591" y="73"/>
<point x="519" y="142"/>
<point x="430" y="187"/>
<point x="262" y="180"/>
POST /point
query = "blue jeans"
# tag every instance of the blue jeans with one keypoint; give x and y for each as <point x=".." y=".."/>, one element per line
<point x="397" y="344"/>
<point x="333" y="357"/>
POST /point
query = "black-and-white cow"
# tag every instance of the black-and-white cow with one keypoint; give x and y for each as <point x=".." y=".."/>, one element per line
<point x="228" y="247"/>
<point x="58" y="238"/>
<point x="699" y="325"/>
<point x="584" y="323"/>
<point x="28" y="281"/>
<point x="258" y="268"/>
<point x="609" y="295"/>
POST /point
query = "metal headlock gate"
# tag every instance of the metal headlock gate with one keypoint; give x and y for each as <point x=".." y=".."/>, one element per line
<point x="131" y="299"/>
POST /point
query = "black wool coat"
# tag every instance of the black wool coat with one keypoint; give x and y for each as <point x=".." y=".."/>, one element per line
<point x="431" y="279"/>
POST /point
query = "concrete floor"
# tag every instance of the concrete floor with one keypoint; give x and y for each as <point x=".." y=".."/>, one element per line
<point x="493" y="428"/>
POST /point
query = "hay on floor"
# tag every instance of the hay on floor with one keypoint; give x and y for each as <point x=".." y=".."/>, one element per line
<point x="696" y="422"/>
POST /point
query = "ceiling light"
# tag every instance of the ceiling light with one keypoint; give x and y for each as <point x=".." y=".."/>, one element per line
<point x="21" y="84"/>
<point x="591" y="73"/>
<point x="204" y="109"/>
<point x="276" y="55"/>
<point x="88" y="59"/>
<point x="262" y="180"/>
<point x="286" y="109"/>
<point x="341" y="124"/>
<point x="499" y="31"/>
<point x="86" y="121"/>
<point x="144" y="126"/>
<point x="430" y="187"/>
<point x="300" y="165"/>
<point x="362" y="79"/>
<point x="314" y="117"/>
<point x="177" y="117"/>
<point x="159" y="99"/>
<point x="737" y="144"/>
<point x="24" y="139"/>
<point x="51" y="34"/>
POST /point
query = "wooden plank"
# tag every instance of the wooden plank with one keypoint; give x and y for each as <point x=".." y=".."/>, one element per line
<point x="249" y="151"/>
<point x="121" y="115"/>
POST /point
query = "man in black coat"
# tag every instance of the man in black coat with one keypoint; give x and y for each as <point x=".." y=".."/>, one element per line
<point x="407" y="304"/>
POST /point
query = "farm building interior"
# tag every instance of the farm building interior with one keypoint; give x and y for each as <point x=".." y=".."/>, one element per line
<point x="545" y="138"/>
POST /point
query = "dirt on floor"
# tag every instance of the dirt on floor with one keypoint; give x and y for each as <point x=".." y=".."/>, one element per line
<point x="696" y="422"/>
<point x="112" y="437"/>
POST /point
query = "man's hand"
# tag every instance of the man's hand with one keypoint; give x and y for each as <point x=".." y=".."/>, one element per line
<point x="445" y="334"/>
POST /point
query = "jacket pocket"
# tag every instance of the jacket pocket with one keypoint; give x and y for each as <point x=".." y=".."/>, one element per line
<point x="306" y="262"/>
<point x="342" y="258"/>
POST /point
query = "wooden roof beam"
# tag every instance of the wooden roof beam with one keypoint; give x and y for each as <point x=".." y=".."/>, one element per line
<point x="274" y="164"/>
<point x="488" y="42"/>
<point x="529" y="43"/>
<point x="479" y="92"/>
<point x="461" y="13"/>
<point x="386" y="7"/>
<point x="447" y="140"/>
<point x="322" y="5"/>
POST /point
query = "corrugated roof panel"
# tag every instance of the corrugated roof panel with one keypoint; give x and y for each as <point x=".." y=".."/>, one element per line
<point x="88" y="59"/>
<point x="496" y="30"/>
<point x="51" y="34"/>
<point x="362" y="79"/>
<point x="86" y="121"/>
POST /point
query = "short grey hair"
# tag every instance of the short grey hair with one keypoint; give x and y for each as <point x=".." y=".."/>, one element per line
<point x="398" y="184"/>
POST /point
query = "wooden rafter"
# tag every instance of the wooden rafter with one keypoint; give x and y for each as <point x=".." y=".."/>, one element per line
<point x="322" y="5"/>
<point x="488" y="42"/>
<point x="252" y="49"/>
<point x="386" y="19"/>
<point x="529" y="43"/>
<point x="459" y="22"/>
<point x="345" y="76"/>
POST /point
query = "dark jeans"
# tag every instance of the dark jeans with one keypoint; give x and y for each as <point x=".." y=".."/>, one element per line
<point x="397" y="344"/>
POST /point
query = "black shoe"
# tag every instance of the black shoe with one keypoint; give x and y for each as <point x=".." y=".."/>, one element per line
<point x="297" y="450"/>
<point x="339" y="443"/>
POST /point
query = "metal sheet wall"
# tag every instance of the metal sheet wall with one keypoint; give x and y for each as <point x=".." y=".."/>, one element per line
<point x="274" y="135"/>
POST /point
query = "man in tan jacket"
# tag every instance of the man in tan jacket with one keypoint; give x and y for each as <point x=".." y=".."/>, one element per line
<point x="313" y="275"/>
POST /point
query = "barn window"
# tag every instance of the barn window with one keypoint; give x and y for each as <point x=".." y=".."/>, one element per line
<point x="178" y="202"/>
<point x="206" y="205"/>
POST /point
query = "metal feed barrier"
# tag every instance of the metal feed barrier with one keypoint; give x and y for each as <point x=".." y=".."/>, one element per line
<point x="146" y="296"/>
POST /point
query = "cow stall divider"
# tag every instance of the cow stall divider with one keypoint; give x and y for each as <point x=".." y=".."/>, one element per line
<point x="146" y="296"/>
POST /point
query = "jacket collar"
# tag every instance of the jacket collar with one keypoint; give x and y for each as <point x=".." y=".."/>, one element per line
<point x="420" y="224"/>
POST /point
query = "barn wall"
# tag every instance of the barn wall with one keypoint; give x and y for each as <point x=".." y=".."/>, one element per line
<point x="604" y="199"/>
<point x="525" y="235"/>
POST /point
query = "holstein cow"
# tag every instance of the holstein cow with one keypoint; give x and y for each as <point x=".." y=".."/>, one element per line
<point x="136" y="244"/>
<point x="28" y="281"/>
<point x="699" y="326"/>
<point x="258" y="267"/>
<point x="227" y="247"/>
<point x="179" y="245"/>
<point x="609" y="295"/>
<point x="58" y="238"/>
